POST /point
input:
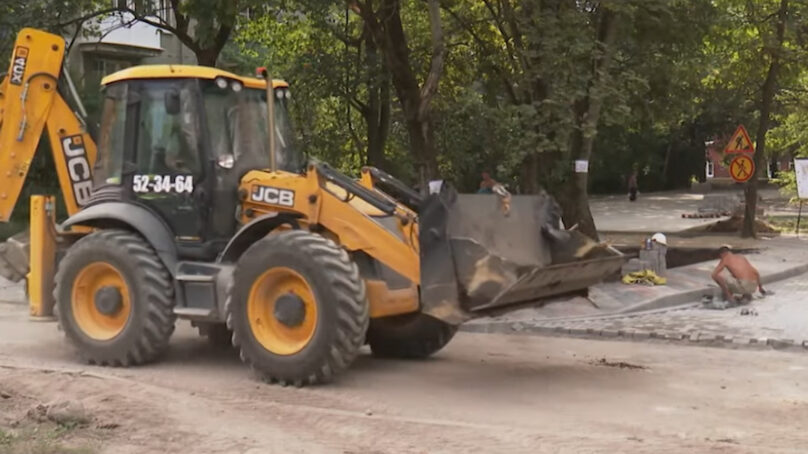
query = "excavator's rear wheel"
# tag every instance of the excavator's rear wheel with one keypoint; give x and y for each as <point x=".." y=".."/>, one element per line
<point x="297" y="308"/>
<point x="114" y="299"/>
<point x="411" y="336"/>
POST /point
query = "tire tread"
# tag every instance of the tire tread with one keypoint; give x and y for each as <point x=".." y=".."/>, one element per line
<point x="152" y="278"/>
<point x="349" y="298"/>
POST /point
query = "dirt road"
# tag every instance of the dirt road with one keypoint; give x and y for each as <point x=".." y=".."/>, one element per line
<point x="484" y="393"/>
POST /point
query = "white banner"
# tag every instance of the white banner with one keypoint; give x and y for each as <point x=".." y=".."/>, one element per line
<point x="801" y="171"/>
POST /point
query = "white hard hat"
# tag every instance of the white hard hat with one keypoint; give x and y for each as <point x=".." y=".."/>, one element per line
<point x="659" y="238"/>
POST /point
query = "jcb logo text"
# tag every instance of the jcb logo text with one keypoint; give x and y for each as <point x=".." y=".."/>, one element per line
<point x="18" y="63"/>
<point x="78" y="168"/>
<point x="273" y="196"/>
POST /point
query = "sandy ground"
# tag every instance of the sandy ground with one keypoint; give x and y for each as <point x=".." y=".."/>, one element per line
<point x="483" y="393"/>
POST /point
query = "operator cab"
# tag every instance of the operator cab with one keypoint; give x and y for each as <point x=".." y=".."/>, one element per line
<point x="178" y="139"/>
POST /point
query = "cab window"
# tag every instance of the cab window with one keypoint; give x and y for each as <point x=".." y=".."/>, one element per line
<point x="167" y="132"/>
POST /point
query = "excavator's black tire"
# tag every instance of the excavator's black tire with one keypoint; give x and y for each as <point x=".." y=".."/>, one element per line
<point x="410" y="336"/>
<point x="309" y="268"/>
<point x="138" y="331"/>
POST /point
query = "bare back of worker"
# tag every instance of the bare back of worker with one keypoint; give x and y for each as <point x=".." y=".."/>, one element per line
<point x="739" y="267"/>
<point x="735" y="275"/>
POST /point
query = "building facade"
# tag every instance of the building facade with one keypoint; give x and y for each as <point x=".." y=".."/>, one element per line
<point x="119" y="42"/>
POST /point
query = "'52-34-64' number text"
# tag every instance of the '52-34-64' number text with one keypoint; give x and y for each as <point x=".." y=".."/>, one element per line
<point x="163" y="183"/>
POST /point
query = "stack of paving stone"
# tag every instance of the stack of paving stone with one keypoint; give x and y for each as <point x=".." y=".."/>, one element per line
<point x="724" y="204"/>
<point x="650" y="259"/>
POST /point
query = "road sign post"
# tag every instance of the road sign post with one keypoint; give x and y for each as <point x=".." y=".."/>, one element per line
<point x="740" y="146"/>
<point x="742" y="168"/>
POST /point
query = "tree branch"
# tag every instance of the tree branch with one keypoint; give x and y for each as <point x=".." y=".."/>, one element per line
<point x="384" y="114"/>
<point x="511" y="39"/>
<point x="181" y="34"/>
<point x="112" y="29"/>
<point x="358" y="144"/>
<point x="222" y="36"/>
<point x="344" y="38"/>
<point x="81" y="19"/>
<point x="359" y="105"/>
<point x="430" y="86"/>
<point x="488" y="50"/>
<point x="180" y="31"/>
<point x="182" y="21"/>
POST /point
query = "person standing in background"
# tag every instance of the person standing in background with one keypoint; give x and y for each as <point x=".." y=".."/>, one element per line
<point x="632" y="186"/>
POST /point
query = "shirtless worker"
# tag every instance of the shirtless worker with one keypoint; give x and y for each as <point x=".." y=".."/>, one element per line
<point x="735" y="275"/>
<point x="487" y="184"/>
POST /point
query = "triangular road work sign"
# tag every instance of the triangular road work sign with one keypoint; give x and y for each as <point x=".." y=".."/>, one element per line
<point x="740" y="142"/>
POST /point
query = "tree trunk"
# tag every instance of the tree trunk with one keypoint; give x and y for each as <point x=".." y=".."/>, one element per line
<point x="666" y="180"/>
<point x="575" y="199"/>
<point x="377" y="114"/>
<point x="207" y="57"/>
<point x="530" y="174"/>
<point x="767" y="94"/>
<point x="378" y="125"/>
<point x="390" y="38"/>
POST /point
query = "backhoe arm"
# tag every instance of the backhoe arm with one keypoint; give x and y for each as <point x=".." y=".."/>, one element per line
<point x="29" y="103"/>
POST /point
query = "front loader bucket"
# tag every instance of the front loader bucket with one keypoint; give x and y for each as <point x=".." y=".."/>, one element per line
<point x="484" y="253"/>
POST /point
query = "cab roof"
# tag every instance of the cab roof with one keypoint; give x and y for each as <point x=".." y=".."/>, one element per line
<point x="184" y="71"/>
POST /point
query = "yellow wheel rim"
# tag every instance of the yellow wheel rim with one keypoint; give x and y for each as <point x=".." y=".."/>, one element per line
<point x="269" y="331"/>
<point x="92" y="322"/>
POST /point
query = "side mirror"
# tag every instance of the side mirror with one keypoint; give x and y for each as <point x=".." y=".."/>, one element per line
<point x="226" y="161"/>
<point x="172" y="102"/>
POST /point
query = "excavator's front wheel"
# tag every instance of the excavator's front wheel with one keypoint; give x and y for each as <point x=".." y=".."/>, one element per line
<point x="297" y="308"/>
<point x="408" y="336"/>
<point x="114" y="299"/>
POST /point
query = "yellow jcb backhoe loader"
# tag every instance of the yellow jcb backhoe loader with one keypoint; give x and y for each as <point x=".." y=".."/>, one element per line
<point x="194" y="202"/>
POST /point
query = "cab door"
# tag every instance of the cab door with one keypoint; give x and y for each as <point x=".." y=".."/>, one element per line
<point x="169" y="172"/>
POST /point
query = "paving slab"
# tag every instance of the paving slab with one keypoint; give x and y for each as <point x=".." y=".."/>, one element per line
<point x="12" y="292"/>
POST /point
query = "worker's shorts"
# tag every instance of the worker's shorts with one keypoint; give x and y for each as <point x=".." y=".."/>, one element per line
<point x="739" y="286"/>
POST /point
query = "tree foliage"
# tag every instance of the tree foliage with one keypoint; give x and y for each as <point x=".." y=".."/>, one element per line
<point x="521" y="88"/>
<point x="48" y="15"/>
<point x="758" y="49"/>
